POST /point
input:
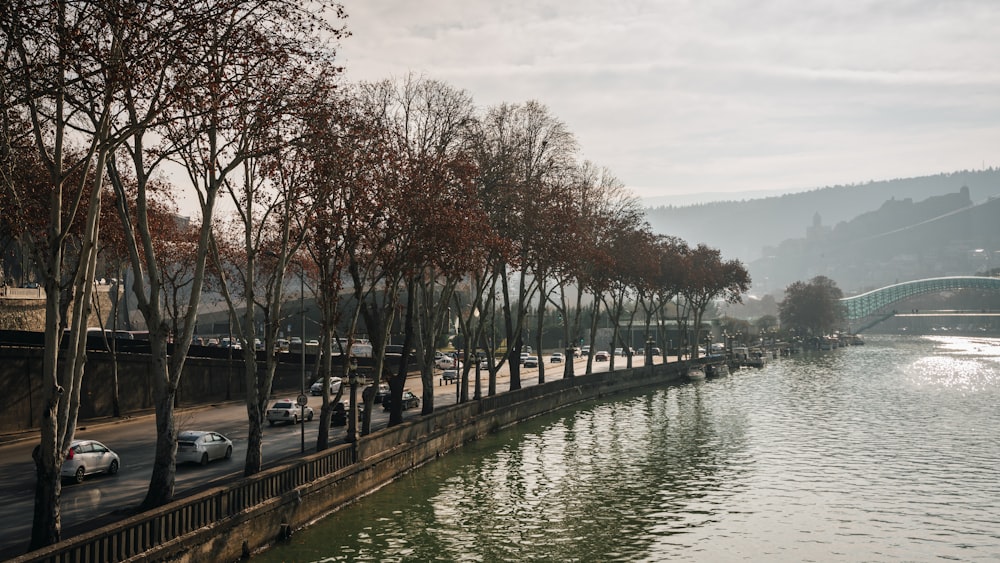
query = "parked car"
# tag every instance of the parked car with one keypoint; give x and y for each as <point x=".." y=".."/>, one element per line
<point x="87" y="457"/>
<point x="317" y="386"/>
<point x="556" y="358"/>
<point x="200" y="446"/>
<point x="524" y="356"/>
<point x="602" y="356"/>
<point x="287" y="410"/>
<point x="450" y="375"/>
<point x="531" y="362"/>
<point x="409" y="401"/>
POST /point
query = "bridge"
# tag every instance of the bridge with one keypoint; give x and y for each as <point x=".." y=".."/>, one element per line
<point x="877" y="303"/>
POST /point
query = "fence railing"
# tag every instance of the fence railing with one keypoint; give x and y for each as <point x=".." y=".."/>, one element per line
<point x="144" y="532"/>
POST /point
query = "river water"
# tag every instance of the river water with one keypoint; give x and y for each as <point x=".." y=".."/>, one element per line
<point x="883" y="452"/>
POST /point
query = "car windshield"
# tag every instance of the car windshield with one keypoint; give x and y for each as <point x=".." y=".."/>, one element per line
<point x="283" y="405"/>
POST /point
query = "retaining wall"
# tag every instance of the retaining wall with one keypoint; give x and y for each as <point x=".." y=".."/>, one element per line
<point x="230" y="522"/>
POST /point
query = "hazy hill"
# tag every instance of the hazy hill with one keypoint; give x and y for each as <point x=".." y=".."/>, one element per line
<point x="903" y="240"/>
<point x="742" y="229"/>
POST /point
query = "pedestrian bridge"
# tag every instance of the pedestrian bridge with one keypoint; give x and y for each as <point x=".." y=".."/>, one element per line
<point x="877" y="302"/>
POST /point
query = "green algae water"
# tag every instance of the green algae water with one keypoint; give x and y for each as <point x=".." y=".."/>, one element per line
<point x="883" y="452"/>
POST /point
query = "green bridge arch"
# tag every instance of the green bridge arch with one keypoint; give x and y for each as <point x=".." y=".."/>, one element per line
<point x="877" y="301"/>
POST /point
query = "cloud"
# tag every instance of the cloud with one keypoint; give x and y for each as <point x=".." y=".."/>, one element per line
<point x="678" y="96"/>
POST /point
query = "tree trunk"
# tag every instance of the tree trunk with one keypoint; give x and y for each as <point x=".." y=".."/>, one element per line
<point x="47" y="525"/>
<point x="161" y="483"/>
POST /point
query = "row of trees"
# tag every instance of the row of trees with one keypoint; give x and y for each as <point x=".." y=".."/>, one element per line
<point x="400" y="194"/>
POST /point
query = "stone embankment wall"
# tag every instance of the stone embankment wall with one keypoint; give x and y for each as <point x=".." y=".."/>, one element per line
<point x="234" y="521"/>
<point x="24" y="309"/>
<point x="205" y="380"/>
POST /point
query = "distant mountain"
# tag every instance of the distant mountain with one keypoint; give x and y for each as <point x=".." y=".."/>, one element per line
<point x="679" y="200"/>
<point x="742" y="229"/>
<point x="903" y="240"/>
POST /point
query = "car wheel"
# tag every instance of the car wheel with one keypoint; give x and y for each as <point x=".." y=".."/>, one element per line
<point x="113" y="468"/>
<point x="204" y="458"/>
<point x="295" y="419"/>
<point x="270" y="423"/>
<point x="309" y="417"/>
<point x="78" y="476"/>
<point x="229" y="452"/>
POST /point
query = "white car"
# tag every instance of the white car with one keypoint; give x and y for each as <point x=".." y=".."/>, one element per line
<point x="530" y="361"/>
<point x="86" y="457"/>
<point x="287" y="410"/>
<point x="199" y="446"/>
<point x="317" y="386"/>
<point x="447" y="362"/>
<point x="556" y="358"/>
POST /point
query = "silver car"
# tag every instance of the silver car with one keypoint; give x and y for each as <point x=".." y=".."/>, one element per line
<point x="317" y="387"/>
<point x="287" y="410"/>
<point x="86" y="457"/>
<point x="199" y="446"/>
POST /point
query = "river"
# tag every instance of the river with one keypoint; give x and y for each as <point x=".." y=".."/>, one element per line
<point x="883" y="452"/>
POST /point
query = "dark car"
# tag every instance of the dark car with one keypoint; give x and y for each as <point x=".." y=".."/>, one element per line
<point x="381" y="393"/>
<point x="339" y="415"/>
<point x="409" y="401"/>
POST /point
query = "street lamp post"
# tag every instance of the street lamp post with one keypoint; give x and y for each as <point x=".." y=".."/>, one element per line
<point x="302" y="383"/>
<point x="478" y="390"/>
<point x="352" y="417"/>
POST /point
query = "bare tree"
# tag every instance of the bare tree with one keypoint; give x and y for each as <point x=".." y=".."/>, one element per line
<point x="64" y="67"/>
<point x="521" y="152"/>
<point x="200" y="101"/>
<point x="710" y="278"/>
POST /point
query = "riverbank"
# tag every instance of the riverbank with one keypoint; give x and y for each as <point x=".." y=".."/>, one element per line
<point x="232" y="521"/>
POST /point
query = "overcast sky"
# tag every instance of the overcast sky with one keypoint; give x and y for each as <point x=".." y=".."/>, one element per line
<point x="687" y="96"/>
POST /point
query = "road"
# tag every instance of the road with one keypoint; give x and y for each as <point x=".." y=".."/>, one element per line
<point x="101" y="498"/>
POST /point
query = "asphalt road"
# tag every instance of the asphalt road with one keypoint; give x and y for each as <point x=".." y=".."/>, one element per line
<point x="102" y="499"/>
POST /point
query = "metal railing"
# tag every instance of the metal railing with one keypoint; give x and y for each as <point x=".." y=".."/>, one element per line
<point x="156" y="527"/>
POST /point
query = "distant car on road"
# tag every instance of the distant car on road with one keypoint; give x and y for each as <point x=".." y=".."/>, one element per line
<point x="287" y="410"/>
<point x="447" y="362"/>
<point x="450" y="375"/>
<point x="87" y="457"/>
<point x="531" y="362"/>
<point x="381" y="393"/>
<point x="409" y="401"/>
<point x="317" y="386"/>
<point x="199" y="446"/>
<point x="338" y="416"/>
<point x="602" y="356"/>
<point x="556" y="358"/>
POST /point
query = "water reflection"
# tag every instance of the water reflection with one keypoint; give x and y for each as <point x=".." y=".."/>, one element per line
<point x="882" y="452"/>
